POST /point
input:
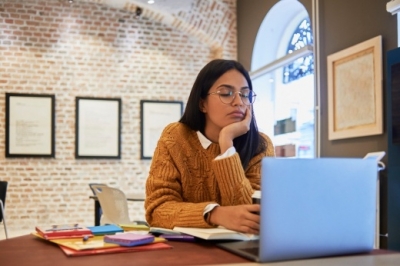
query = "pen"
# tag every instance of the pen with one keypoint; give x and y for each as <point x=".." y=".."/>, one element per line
<point x="85" y="238"/>
<point x="178" y="237"/>
<point x="64" y="227"/>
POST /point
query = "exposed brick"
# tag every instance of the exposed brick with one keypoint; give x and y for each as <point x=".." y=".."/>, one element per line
<point x="82" y="50"/>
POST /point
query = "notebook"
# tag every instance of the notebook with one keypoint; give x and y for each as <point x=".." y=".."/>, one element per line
<point x="313" y="208"/>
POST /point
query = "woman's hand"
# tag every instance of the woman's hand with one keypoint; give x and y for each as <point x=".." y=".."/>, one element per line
<point x="234" y="130"/>
<point x="241" y="218"/>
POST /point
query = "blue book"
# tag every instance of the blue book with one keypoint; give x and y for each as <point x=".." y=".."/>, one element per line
<point x="129" y="239"/>
<point x="108" y="229"/>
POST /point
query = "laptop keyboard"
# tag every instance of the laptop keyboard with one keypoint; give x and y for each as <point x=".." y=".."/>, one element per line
<point x="253" y="251"/>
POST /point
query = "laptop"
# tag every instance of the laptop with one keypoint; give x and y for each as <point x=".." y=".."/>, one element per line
<point x="313" y="208"/>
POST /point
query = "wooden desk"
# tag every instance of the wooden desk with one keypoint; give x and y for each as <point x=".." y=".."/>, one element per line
<point x="97" y="207"/>
<point x="32" y="251"/>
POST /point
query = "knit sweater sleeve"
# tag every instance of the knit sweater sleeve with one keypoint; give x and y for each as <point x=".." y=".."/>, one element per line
<point x="164" y="203"/>
<point x="235" y="184"/>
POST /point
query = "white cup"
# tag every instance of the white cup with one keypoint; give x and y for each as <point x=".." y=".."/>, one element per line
<point x="256" y="197"/>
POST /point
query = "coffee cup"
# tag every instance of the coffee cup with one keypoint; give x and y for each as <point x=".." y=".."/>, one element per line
<point x="256" y="197"/>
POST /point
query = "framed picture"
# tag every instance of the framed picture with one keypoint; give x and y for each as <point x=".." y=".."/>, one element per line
<point x="355" y="91"/>
<point x="155" y="116"/>
<point x="98" y="128"/>
<point x="30" y="120"/>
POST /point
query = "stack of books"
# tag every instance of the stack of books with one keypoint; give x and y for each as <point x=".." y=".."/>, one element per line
<point x="63" y="231"/>
<point x="76" y="240"/>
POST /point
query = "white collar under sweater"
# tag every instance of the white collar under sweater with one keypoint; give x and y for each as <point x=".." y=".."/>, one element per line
<point x="205" y="142"/>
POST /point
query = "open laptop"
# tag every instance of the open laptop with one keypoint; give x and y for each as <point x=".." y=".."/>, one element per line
<point x="313" y="208"/>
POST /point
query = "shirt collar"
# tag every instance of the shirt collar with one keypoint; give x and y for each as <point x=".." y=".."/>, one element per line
<point x="203" y="140"/>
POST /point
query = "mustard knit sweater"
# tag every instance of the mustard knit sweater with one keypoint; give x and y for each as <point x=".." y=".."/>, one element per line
<point x="184" y="178"/>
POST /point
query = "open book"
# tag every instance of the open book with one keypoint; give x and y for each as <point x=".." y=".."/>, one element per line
<point x="218" y="233"/>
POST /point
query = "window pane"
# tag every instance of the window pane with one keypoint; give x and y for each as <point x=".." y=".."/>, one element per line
<point x="304" y="66"/>
<point x="285" y="112"/>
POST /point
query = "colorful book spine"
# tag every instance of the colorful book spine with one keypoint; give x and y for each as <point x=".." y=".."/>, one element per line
<point x="129" y="239"/>
<point x="63" y="230"/>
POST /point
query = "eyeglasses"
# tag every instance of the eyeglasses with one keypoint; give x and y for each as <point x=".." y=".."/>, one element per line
<point x="227" y="95"/>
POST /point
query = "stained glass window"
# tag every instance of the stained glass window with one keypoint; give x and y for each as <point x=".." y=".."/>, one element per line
<point x="304" y="66"/>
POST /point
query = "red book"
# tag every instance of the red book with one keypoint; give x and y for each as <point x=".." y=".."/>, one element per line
<point x="59" y="231"/>
<point x="73" y="253"/>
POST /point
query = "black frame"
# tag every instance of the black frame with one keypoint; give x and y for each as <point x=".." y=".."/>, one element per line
<point x="51" y="123"/>
<point x="143" y="117"/>
<point x="83" y="155"/>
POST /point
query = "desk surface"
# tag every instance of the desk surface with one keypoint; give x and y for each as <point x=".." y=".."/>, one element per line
<point x="29" y="250"/>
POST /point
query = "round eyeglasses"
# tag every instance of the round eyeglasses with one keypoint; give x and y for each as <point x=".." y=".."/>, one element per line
<point x="228" y="95"/>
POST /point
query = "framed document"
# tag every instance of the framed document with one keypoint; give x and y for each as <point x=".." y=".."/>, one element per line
<point x="155" y="116"/>
<point x="30" y="121"/>
<point x="355" y="91"/>
<point x="98" y="128"/>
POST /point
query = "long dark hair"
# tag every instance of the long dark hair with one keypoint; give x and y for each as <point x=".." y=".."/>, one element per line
<point x="246" y="145"/>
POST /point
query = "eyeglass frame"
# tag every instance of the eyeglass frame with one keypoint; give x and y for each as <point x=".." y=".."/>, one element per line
<point x="238" y="92"/>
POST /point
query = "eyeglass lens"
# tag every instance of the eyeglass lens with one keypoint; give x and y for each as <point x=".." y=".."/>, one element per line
<point x="228" y="95"/>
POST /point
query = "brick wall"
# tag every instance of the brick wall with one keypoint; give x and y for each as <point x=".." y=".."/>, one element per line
<point x="90" y="49"/>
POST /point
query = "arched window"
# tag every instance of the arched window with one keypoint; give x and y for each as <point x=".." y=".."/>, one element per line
<point x="303" y="66"/>
<point x="285" y="109"/>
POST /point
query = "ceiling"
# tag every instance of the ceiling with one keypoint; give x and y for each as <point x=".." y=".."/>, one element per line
<point x="169" y="6"/>
<point x="176" y="14"/>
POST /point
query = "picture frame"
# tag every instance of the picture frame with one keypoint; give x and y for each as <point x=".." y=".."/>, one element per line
<point x="355" y="91"/>
<point x="97" y="128"/>
<point x="30" y="125"/>
<point x="154" y="117"/>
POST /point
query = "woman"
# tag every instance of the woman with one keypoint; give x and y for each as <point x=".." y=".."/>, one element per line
<point x="206" y="166"/>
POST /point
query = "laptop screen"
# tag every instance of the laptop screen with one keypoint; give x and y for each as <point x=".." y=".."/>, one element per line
<point x="314" y="208"/>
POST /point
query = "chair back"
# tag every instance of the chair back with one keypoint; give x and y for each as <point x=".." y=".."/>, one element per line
<point x="3" y="191"/>
<point x="114" y="204"/>
<point x="95" y="184"/>
<point x="103" y="218"/>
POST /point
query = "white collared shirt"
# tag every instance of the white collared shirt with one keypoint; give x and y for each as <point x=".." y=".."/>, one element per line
<point x="205" y="143"/>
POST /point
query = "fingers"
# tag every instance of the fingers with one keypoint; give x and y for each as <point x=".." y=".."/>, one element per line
<point x="249" y="109"/>
<point x="247" y="118"/>
<point x="251" y="226"/>
<point x="253" y="232"/>
<point x="248" y="114"/>
<point x="242" y="218"/>
<point x="254" y="208"/>
<point x="252" y="219"/>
